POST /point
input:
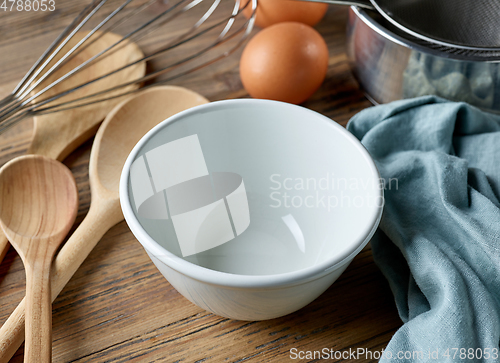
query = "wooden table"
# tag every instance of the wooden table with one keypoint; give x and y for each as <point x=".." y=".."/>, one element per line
<point x="119" y="308"/>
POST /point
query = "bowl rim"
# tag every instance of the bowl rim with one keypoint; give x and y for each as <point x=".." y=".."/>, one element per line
<point x="219" y="278"/>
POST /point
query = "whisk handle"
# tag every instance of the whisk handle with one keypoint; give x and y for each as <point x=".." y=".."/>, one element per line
<point x="361" y="3"/>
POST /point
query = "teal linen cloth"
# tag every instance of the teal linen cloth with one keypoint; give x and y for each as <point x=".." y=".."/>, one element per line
<point x="439" y="239"/>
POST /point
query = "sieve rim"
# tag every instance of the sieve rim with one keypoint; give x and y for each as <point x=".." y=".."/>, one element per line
<point x="386" y="13"/>
<point x="415" y="44"/>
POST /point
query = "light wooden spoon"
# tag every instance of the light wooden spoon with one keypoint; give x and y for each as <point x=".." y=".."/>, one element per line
<point x="57" y="135"/>
<point x="117" y="136"/>
<point x="38" y="206"/>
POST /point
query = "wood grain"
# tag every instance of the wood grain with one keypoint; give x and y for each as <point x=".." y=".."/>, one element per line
<point x="119" y="308"/>
<point x="39" y="202"/>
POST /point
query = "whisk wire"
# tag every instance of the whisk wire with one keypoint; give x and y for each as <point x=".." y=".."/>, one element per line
<point x="147" y="58"/>
<point x="54" y="54"/>
<point x="20" y="101"/>
<point x="50" y="53"/>
<point x="111" y="28"/>
<point x="57" y="65"/>
<point x="51" y="109"/>
<point x="91" y="60"/>
<point x="19" y="104"/>
<point x="51" y="47"/>
<point x="105" y="51"/>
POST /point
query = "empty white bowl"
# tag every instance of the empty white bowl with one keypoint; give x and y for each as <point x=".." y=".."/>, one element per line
<point x="251" y="208"/>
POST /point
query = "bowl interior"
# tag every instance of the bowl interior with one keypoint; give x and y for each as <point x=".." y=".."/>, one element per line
<point x="253" y="187"/>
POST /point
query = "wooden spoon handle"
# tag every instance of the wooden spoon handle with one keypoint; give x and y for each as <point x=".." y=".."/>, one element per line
<point x="4" y="246"/>
<point x="38" y="314"/>
<point x="100" y="218"/>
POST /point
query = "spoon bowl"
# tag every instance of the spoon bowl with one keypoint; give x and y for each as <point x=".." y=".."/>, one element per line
<point x="38" y="199"/>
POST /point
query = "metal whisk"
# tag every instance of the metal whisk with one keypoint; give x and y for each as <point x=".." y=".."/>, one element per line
<point x="27" y="99"/>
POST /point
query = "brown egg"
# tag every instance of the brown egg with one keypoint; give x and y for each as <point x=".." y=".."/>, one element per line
<point x="271" y="12"/>
<point x="284" y="62"/>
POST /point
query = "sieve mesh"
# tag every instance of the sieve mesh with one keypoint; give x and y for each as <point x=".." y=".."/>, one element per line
<point x="450" y="23"/>
<point x="455" y="52"/>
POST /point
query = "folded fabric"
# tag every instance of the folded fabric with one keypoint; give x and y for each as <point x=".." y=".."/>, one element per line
<point x="439" y="239"/>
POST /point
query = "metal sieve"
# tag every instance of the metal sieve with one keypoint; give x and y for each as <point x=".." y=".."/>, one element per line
<point x="458" y="24"/>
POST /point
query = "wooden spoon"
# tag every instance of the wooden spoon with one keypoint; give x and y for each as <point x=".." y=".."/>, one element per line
<point x="57" y="135"/>
<point x="117" y="136"/>
<point x="38" y="206"/>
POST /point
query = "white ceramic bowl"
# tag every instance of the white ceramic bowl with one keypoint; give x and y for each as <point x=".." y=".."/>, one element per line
<point x="251" y="208"/>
